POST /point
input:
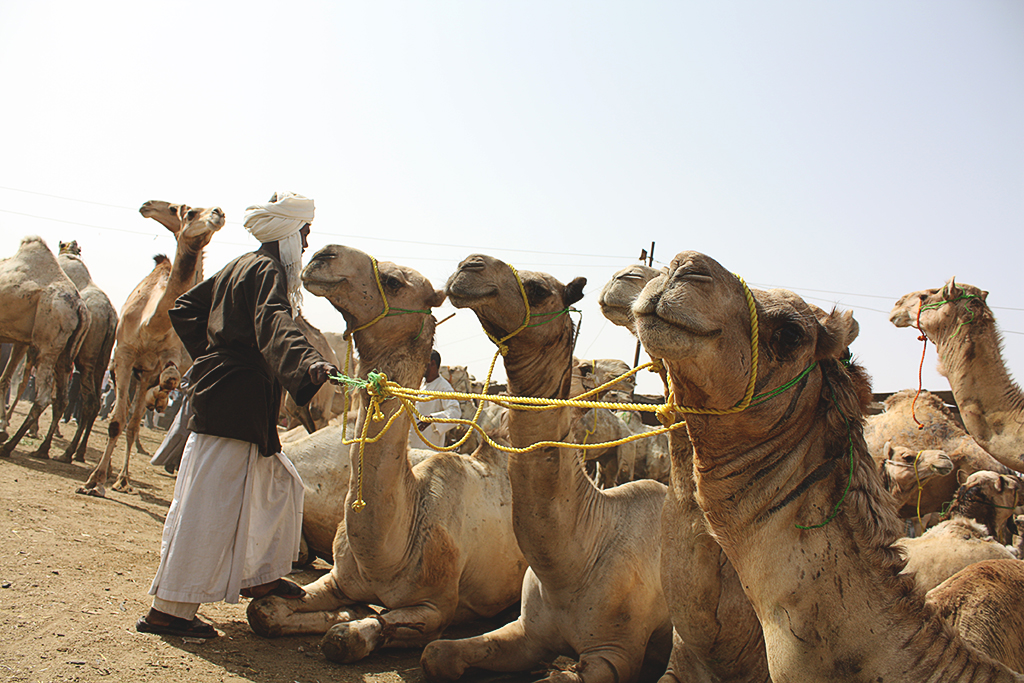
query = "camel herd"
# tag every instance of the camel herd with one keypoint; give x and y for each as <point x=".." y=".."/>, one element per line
<point x="761" y="535"/>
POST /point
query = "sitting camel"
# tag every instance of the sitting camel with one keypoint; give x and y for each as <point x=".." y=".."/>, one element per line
<point x="146" y="342"/>
<point x="434" y="543"/>
<point x="948" y="547"/>
<point x="715" y="633"/>
<point x="593" y="589"/>
<point x="789" y="490"/>
<point x="94" y="355"/>
<point x="939" y="431"/>
<point x="43" y="315"/>
<point x="961" y="325"/>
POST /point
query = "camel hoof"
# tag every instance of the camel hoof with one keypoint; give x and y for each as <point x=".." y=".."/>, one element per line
<point x="95" y="491"/>
<point x="79" y="457"/>
<point x="40" y="455"/>
<point x="346" y="643"/>
<point x="63" y="458"/>
<point x="123" y="487"/>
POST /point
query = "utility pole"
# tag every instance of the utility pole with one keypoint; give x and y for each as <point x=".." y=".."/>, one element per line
<point x="649" y="258"/>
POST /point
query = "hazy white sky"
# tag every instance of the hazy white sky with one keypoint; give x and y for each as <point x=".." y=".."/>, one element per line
<point x="852" y="152"/>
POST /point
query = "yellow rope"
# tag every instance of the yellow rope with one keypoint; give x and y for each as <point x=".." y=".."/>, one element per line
<point x="380" y="288"/>
<point x="382" y="389"/>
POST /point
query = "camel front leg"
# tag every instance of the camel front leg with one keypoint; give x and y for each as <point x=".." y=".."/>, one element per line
<point x="131" y="436"/>
<point x="323" y="606"/>
<point x="508" y="648"/>
<point x="33" y="414"/>
<point x="410" y="626"/>
<point x="96" y="484"/>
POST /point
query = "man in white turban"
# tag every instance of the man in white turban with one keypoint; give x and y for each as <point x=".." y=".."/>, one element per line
<point x="234" y="524"/>
<point x="280" y="220"/>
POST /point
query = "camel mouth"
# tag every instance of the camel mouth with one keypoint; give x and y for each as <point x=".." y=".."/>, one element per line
<point x="464" y="294"/>
<point x="900" y="318"/>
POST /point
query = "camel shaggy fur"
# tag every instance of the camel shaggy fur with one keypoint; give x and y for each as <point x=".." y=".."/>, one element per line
<point x="434" y="543"/>
<point x="43" y="315"/>
<point x="959" y="322"/>
<point x="788" y="488"/>
<point x="146" y="342"/>
<point x="593" y="589"/>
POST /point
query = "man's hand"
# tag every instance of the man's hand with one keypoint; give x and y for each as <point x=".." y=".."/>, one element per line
<point x="421" y="425"/>
<point x="319" y="372"/>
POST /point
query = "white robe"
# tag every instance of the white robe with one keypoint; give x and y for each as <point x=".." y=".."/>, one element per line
<point x="436" y="407"/>
<point x="235" y="522"/>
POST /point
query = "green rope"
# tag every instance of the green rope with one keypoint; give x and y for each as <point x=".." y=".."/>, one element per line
<point x="849" y="480"/>
<point x="761" y="398"/>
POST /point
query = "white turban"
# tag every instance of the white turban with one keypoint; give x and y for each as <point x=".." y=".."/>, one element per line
<point x="280" y="220"/>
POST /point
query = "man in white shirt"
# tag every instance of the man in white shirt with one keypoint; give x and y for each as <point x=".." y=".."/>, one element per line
<point x="436" y="407"/>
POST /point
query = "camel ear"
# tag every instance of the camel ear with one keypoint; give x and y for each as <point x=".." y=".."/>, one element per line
<point x="949" y="290"/>
<point x="437" y="299"/>
<point x="837" y="333"/>
<point x="887" y="450"/>
<point x="574" y="290"/>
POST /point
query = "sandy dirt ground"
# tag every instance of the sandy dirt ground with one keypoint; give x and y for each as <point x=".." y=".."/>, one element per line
<point x="75" y="574"/>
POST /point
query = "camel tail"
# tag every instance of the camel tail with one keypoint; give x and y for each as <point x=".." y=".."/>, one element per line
<point x="77" y="337"/>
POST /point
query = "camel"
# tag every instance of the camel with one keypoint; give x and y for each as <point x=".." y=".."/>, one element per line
<point x="905" y="472"/>
<point x="789" y="490"/>
<point x="145" y="340"/>
<point x="94" y="355"/>
<point x="940" y="431"/>
<point x="593" y="589"/>
<point x="715" y="633"/>
<point x="989" y="498"/>
<point x="948" y="547"/>
<point x="434" y="543"/>
<point x="957" y="320"/>
<point x="43" y="315"/>
<point x="320" y="409"/>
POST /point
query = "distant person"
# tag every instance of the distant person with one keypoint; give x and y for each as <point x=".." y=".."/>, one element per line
<point x="234" y="524"/>
<point x="109" y="394"/>
<point x="436" y="407"/>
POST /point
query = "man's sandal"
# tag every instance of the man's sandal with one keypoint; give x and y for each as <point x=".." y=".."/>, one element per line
<point x="197" y="628"/>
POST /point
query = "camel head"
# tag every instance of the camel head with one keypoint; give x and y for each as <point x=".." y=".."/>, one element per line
<point x="490" y="288"/>
<point x="990" y="498"/>
<point x="619" y="293"/>
<point x="70" y="248"/>
<point x="696" y="317"/>
<point x="192" y="227"/>
<point x="904" y="470"/>
<point x="345" y="277"/>
<point x="940" y="309"/>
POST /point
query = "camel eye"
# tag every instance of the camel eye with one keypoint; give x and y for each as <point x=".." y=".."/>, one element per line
<point x="787" y="338"/>
<point x="390" y="282"/>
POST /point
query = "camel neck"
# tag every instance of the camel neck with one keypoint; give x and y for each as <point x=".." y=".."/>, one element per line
<point x="387" y="479"/>
<point x="991" y="403"/>
<point x="551" y="493"/>
<point x="186" y="272"/>
<point x="827" y="590"/>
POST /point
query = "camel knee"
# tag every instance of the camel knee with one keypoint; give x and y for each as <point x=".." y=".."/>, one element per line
<point x="266" y="616"/>
<point x="114" y="430"/>
<point x="441" y="661"/>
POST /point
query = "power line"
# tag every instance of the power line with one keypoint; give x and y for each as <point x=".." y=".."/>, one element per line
<point x="483" y="249"/>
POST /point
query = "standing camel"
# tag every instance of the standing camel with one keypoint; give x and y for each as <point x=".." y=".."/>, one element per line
<point x="94" y="355"/>
<point x="791" y="494"/>
<point x="715" y="633"/>
<point x="957" y="320"/>
<point x="434" y="543"/>
<point x="43" y="315"/>
<point x="593" y="589"/>
<point x="146" y="342"/>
